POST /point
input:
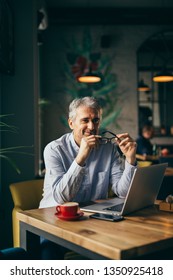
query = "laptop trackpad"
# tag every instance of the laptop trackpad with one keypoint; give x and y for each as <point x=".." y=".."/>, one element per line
<point x="113" y="202"/>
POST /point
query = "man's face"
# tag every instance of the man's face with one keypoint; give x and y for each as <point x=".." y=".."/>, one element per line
<point x="148" y="134"/>
<point x="86" y="122"/>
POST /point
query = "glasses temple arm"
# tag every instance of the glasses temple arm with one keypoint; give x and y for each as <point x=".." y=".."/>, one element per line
<point x="107" y="131"/>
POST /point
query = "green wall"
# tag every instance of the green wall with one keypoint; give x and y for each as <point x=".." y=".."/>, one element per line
<point x="18" y="97"/>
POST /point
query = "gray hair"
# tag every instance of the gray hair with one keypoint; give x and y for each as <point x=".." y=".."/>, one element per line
<point x="87" y="101"/>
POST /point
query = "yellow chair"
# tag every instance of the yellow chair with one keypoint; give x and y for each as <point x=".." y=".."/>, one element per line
<point x="144" y="163"/>
<point x="26" y="195"/>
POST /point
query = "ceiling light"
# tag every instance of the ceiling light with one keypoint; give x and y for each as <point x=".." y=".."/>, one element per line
<point x="163" y="76"/>
<point x="89" y="78"/>
<point x="143" y="87"/>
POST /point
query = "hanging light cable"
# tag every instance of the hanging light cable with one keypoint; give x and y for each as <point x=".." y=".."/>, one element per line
<point x="166" y="54"/>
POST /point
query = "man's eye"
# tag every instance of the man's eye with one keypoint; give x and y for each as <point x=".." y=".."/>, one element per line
<point x="96" y="120"/>
<point x="84" y="121"/>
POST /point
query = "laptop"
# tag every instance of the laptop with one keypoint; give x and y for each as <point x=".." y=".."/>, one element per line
<point x="143" y="191"/>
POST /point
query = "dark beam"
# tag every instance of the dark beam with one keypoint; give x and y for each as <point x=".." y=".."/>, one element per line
<point x="94" y="16"/>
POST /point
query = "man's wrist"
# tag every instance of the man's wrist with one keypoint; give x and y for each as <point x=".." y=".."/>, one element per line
<point x="132" y="161"/>
<point x="80" y="161"/>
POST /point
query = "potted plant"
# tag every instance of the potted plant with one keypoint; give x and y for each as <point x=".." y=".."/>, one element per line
<point x="5" y="152"/>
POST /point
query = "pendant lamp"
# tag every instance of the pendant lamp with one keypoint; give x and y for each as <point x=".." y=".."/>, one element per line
<point x="142" y="87"/>
<point x="163" y="76"/>
<point x="89" y="77"/>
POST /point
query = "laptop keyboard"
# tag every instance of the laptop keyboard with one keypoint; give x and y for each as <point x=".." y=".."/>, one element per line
<point x="117" y="207"/>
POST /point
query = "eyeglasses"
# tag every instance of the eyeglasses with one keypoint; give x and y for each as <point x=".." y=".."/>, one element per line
<point x="106" y="139"/>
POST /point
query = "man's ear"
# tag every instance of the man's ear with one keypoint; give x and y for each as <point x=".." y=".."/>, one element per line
<point x="70" y="123"/>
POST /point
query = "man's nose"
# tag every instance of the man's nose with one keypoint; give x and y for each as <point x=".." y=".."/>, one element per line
<point x="90" y="125"/>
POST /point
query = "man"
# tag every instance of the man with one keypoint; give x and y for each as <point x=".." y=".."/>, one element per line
<point x="78" y="167"/>
<point x="144" y="145"/>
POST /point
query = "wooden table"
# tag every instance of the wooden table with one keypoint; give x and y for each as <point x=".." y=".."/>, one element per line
<point x="143" y="232"/>
<point x="169" y="171"/>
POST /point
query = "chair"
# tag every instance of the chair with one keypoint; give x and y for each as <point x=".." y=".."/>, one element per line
<point x="26" y="195"/>
<point x="167" y="159"/>
<point x="144" y="163"/>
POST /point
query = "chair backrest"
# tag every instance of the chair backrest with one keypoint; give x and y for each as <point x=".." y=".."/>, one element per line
<point x="26" y="195"/>
<point x="144" y="163"/>
<point x="169" y="160"/>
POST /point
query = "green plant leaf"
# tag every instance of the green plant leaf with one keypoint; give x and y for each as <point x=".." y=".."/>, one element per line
<point x="110" y="118"/>
<point x="105" y="90"/>
<point x="12" y="163"/>
<point x="71" y="92"/>
<point x="64" y="121"/>
<point x="43" y="102"/>
<point x="11" y="150"/>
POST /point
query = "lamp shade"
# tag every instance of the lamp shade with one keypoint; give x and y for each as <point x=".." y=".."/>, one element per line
<point x="163" y="76"/>
<point x="143" y="87"/>
<point x="89" y="77"/>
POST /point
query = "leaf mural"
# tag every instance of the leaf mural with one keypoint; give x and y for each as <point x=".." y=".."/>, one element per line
<point x="110" y="118"/>
<point x="82" y="57"/>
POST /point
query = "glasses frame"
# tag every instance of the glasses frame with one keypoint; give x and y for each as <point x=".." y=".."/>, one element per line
<point x="109" y="139"/>
<point x="108" y="131"/>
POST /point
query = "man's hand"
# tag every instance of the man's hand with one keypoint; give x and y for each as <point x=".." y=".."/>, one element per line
<point x="86" y="145"/>
<point x="127" y="146"/>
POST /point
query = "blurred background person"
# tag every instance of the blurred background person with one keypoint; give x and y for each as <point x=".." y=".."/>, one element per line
<point x="144" y="145"/>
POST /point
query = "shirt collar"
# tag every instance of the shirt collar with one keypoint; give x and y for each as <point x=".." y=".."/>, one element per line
<point x="74" y="145"/>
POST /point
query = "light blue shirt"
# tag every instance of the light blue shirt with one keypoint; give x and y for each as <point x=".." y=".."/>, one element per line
<point x="65" y="180"/>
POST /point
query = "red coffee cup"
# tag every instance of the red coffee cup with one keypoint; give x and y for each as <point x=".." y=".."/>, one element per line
<point x="68" y="209"/>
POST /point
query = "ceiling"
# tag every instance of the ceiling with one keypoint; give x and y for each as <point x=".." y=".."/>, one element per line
<point x="110" y="11"/>
<point x="110" y="3"/>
